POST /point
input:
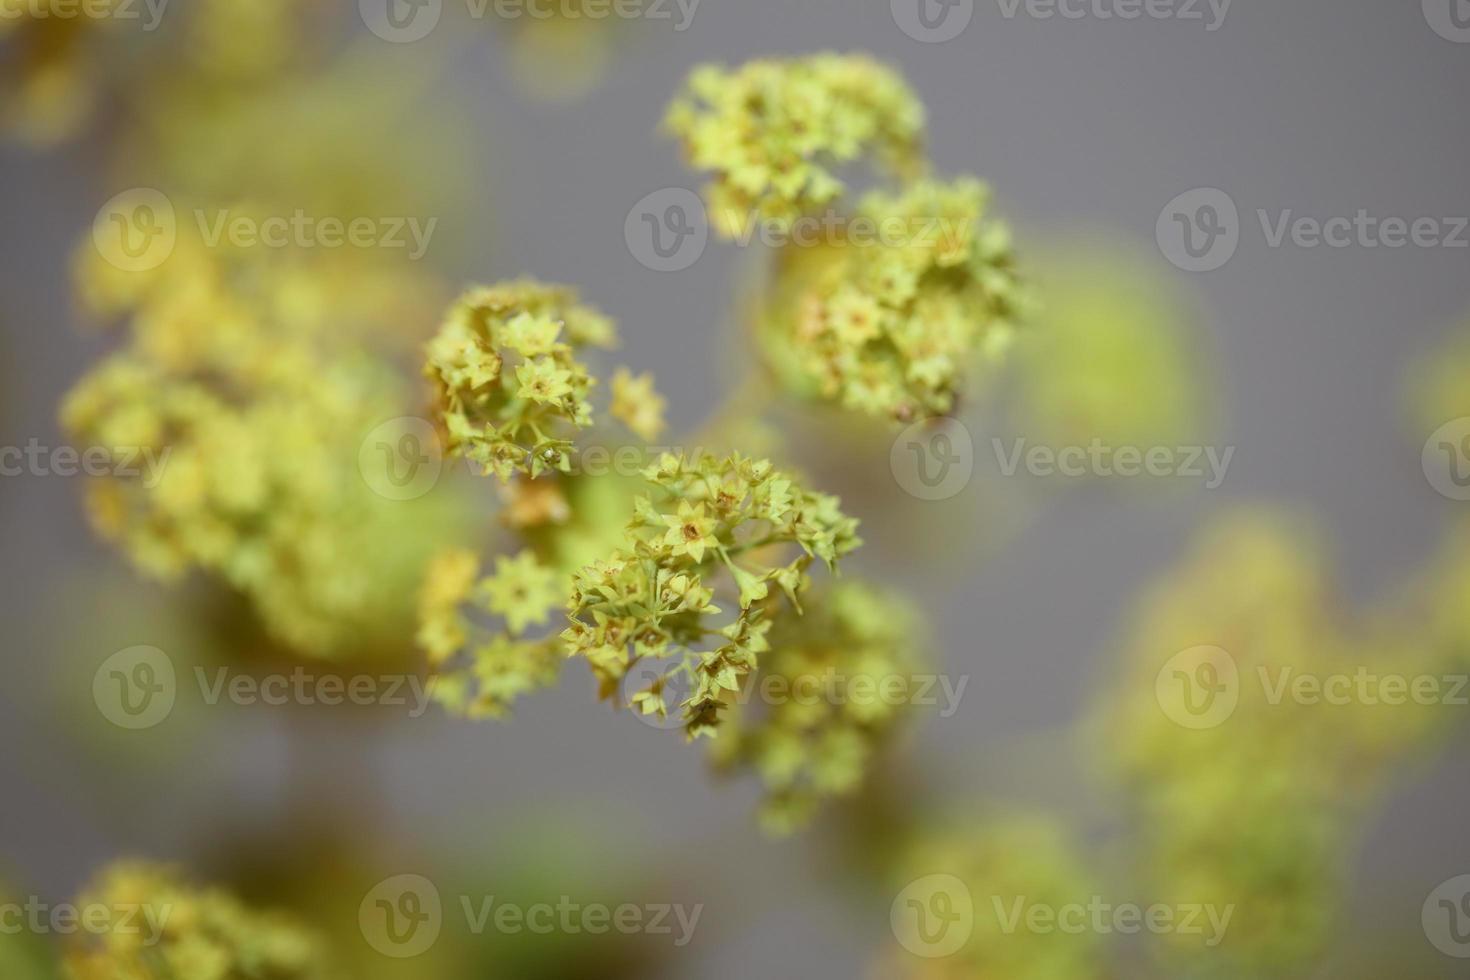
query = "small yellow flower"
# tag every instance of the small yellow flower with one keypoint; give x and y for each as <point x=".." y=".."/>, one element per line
<point x="522" y="590"/>
<point x="542" y="381"/>
<point x="636" y="404"/>
<point x="531" y="336"/>
<point x="690" y="531"/>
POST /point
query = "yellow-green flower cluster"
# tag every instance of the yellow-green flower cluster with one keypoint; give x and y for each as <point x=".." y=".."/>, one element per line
<point x="206" y="934"/>
<point x="713" y="524"/>
<point x="484" y="678"/>
<point x="774" y="132"/>
<point x="890" y="324"/>
<point x="884" y="308"/>
<point x="1112" y="356"/>
<point x="510" y="390"/>
<point x="234" y="416"/>
<point x="1004" y="865"/>
<point x="1247" y="794"/>
<point x="49" y="72"/>
<point x="816" y="720"/>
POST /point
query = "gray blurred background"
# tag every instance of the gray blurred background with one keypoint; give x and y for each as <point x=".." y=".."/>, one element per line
<point x="1320" y="106"/>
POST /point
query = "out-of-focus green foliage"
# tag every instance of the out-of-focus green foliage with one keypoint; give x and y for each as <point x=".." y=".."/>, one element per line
<point x="1244" y="792"/>
<point x="245" y="378"/>
<point x="1003" y="863"/>
<point x="1112" y="356"/>
<point x="181" y="930"/>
